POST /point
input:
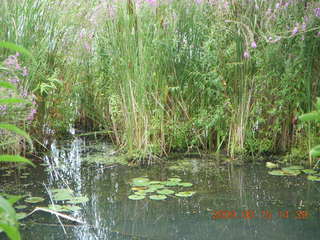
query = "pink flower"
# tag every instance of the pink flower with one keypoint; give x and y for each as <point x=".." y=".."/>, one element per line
<point x="254" y="44"/>
<point x="246" y="54"/>
<point x="152" y="2"/>
<point x="295" y="31"/>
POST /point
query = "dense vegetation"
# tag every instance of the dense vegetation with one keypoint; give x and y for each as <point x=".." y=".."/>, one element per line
<point x="163" y="76"/>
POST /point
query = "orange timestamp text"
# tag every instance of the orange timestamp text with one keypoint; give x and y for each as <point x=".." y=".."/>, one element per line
<point x="263" y="214"/>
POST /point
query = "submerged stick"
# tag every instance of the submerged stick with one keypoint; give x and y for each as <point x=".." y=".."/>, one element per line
<point x="57" y="214"/>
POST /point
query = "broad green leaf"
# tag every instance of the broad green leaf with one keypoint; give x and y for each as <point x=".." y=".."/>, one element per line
<point x="315" y="115"/>
<point x="76" y="200"/>
<point x="136" y="197"/>
<point x="11" y="231"/>
<point x="34" y="199"/>
<point x="7" y="85"/>
<point x="318" y="104"/>
<point x="12" y="101"/>
<point x="313" y="178"/>
<point x="165" y="191"/>
<point x="16" y="130"/>
<point x="16" y="48"/>
<point x="158" y="197"/>
<point x="309" y="171"/>
<point x="15" y="158"/>
<point x="271" y="165"/>
<point x="277" y="173"/>
<point x="185" y="184"/>
<point x="185" y="194"/>
<point x="315" y="151"/>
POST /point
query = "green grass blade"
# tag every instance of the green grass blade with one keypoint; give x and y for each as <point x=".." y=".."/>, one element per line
<point x="12" y="101"/>
<point x="310" y="116"/>
<point x="17" y="48"/>
<point x="15" y="158"/>
<point x="7" y="85"/>
<point x="16" y="130"/>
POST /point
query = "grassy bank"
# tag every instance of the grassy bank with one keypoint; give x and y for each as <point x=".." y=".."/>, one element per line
<point x="179" y="75"/>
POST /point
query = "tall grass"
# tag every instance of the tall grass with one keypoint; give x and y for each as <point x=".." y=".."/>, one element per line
<point x="180" y="75"/>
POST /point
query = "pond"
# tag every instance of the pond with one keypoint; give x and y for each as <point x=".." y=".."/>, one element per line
<point x="229" y="202"/>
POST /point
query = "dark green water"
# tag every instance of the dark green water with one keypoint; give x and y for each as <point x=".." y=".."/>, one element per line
<point x="109" y="214"/>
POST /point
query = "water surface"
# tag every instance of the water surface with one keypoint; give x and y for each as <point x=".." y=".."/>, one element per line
<point x="260" y="206"/>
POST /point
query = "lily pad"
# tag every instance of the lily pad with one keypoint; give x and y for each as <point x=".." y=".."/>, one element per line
<point x="295" y="167"/>
<point x="156" y="186"/>
<point x="34" y="199"/>
<point x="291" y="172"/>
<point x="165" y="191"/>
<point x="138" y="188"/>
<point x="64" y="208"/>
<point x="76" y="200"/>
<point x="185" y="184"/>
<point x="271" y="165"/>
<point x="185" y="194"/>
<point x="309" y="171"/>
<point x="175" y="179"/>
<point x="140" y="182"/>
<point x="313" y="178"/>
<point x="136" y="197"/>
<point x="156" y="182"/>
<point x="20" y="206"/>
<point x="141" y="192"/>
<point x="21" y="215"/>
<point x="158" y="197"/>
<point x="171" y="184"/>
<point x="150" y="190"/>
<point x="277" y="173"/>
<point x="62" y="196"/>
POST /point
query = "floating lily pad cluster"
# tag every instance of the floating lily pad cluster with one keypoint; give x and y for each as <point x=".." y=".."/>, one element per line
<point x="142" y="187"/>
<point x="313" y="175"/>
<point x="57" y="195"/>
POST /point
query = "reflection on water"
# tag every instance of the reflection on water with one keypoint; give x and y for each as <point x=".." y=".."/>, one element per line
<point x="260" y="206"/>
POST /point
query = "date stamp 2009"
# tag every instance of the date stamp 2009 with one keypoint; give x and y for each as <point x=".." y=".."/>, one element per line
<point x="264" y="214"/>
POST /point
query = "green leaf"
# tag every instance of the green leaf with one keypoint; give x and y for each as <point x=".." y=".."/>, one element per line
<point x="318" y="104"/>
<point x="15" y="158"/>
<point x="16" y="48"/>
<point x="277" y="173"/>
<point x="34" y="199"/>
<point x="76" y="200"/>
<point x="165" y="192"/>
<point x="313" y="178"/>
<point x="11" y="230"/>
<point x="309" y="171"/>
<point x="185" y="194"/>
<point x="315" y="151"/>
<point x="8" y="211"/>
<point x="7" y="85"/>
<point x="136" y="197"/>
<point x="16" y="130"/>
<point x="158" y="197"/>
<point x="12" y="101"/>
<point x="185" y="184"/>
<point x="315" y="115"/>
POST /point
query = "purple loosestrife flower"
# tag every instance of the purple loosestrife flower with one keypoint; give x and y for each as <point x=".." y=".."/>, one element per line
<point x="31" y="114"/>
<point x="254" y="44"/>
<point x="152" y="2"/>
<point x="246" y="54"/>
<point x="3" y="109"/>
<point x="317" y="12"/>
<point x="198" y="1"/>
<point x="25" y="72"/>
<point x="295" y="31"/>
